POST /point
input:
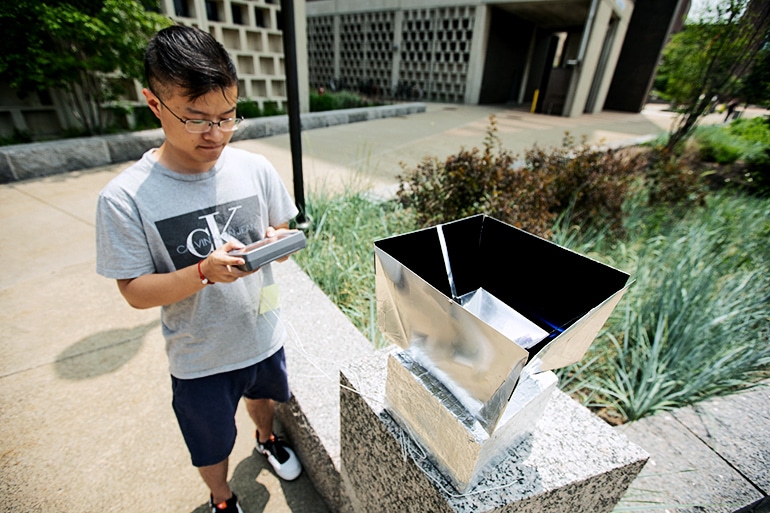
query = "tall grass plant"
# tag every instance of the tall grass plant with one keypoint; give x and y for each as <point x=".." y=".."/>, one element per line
<point x="695" y="322"/>
<point x="340" y="254"/>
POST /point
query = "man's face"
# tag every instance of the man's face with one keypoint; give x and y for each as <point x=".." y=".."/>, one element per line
<point x="186" y="152"/>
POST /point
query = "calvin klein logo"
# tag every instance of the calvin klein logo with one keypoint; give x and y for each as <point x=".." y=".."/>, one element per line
<point x="193" y="236"/>
<point x="211" y="235"/>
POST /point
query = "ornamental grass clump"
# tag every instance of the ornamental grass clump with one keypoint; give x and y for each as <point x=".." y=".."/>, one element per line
<point x="694" y="324"/>
<point x="339" y="256"/>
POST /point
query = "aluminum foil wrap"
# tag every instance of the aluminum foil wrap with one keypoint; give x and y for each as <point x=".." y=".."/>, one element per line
<point x="475" y="300"/>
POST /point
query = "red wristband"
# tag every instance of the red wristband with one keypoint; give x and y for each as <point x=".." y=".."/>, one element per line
<point x="204" y="280"/>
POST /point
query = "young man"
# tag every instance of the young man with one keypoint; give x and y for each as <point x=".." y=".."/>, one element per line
<point x="164" y="229"/>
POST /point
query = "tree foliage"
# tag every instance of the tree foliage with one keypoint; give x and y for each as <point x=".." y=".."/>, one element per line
<point x="708" y="58"/>
<point x="83" y="48"/>
<point x="755" y="88"/>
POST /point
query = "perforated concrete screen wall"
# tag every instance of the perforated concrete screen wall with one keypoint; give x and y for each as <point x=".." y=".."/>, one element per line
<point x="427" y="50"/>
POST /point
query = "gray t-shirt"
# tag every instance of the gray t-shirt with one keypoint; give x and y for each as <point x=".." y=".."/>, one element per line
<point x="153" y="220"/>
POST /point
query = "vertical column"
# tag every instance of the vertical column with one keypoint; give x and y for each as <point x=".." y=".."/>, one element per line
<point x="587" y="66"/>
<point x="478" y="51"/>
<point x="398" y="23"/>
<point x="337" y="46"/>
<point x="167" y="7"/>
<point x="612" y="58"/>
<point x="303" y="74"/>
<point x="200" y="15"/>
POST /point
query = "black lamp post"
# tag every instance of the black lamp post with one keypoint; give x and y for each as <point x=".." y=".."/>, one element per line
<point x="295" y="126"/>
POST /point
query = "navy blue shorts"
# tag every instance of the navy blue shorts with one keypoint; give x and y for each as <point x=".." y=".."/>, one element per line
<point x="205" y="407"/>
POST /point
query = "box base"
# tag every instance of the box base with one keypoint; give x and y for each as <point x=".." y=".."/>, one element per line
<point x="572" y="461"/>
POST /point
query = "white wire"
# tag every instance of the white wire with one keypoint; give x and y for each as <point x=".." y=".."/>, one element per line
<point x="410" y="447"/>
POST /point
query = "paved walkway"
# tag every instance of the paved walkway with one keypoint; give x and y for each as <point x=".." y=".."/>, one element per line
<point x="84" y="391"/>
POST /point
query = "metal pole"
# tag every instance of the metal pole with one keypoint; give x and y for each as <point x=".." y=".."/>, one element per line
<point x="292" y="94"/>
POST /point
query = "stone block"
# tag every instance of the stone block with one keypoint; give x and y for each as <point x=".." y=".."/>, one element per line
<point x="321" y="340"/>
<point x="6" y="174"/>
<point x="54" y="157"/>
<point x="253" y="128"/>
<point x="572" y="461"/>
<point x="358" y="115"/>
<point x="313" y="120"/>
<point x="276" y="125"/>
<point x="711" y="457"/>
<point x="132" y="146"/>
<point x="743" y="442"/>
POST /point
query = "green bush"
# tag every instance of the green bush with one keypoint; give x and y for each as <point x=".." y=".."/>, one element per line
<point x="743" y="139"/>
<point x="758" y="171"/>
<point x="752" y="130"/>
<point x="717" y="145"/>
<point x="272" y="109"/>
<point x="248" y="109"/>
<point x="320" y="102"/>
<point x="671" y="182"/>
<point x="144" y="119"/>
<point x="742" y="149"/>
<point x="18" y="137"/>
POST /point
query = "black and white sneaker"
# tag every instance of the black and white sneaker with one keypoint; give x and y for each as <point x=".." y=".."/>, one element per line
<point x="281" y="457"/>
<point x="229" y="506"/>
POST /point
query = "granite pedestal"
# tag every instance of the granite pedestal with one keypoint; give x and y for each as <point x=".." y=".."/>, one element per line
<point x="572" y="461"/>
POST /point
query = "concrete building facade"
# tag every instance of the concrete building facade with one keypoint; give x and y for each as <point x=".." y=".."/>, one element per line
<point x="560" y="57"/>
<point x="556" y="56"/>
<point x="250" y="30"/>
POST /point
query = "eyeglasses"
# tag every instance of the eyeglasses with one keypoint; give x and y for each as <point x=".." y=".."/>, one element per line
<point x="201" y="126"/>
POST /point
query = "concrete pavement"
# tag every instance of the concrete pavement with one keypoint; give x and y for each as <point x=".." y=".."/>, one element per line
<point x="84" y="391"/>
<point x="369" y="155"/>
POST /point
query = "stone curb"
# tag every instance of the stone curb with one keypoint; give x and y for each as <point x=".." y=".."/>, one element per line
<point x="25" y="161"/>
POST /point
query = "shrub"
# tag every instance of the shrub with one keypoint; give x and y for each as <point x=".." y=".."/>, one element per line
<point x="528" y="193"/>
<point x="671" y="182"/>
<point x="144" y="119"/>
<point x="474" y="182"/>
<point x="742" y="152"/>
<point x="272" y="109"/>
<point x="739" y="141"/>
<point x="327" y="100"/>
<point x="752" y="130"/>
<point x="248" y="109"/>
<point x="18" y="137"/>
<point x="758" y="171"/>
<point x="321" y="102"/>
<point x="592" y="183"/>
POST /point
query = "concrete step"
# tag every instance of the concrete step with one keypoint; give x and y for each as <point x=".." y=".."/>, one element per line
<point x="712" y="457"/>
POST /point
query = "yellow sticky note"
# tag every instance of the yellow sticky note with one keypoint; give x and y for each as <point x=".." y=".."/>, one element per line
<point x="268" y="299"/>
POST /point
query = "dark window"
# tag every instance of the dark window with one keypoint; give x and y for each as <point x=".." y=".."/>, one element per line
<point x="181" y="8"/>
<point x="259" y="17"/>
<point x="237" y="14"/>
<point x="211" y="11"/>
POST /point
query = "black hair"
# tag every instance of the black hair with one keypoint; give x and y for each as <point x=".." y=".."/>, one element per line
<point x="190" y="59"/>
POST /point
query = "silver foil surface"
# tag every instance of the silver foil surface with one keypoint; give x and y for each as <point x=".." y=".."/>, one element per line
<point x="475" y="300"/>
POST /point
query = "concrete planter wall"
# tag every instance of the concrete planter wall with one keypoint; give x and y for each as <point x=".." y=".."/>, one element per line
<point x="25" y="161"/>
